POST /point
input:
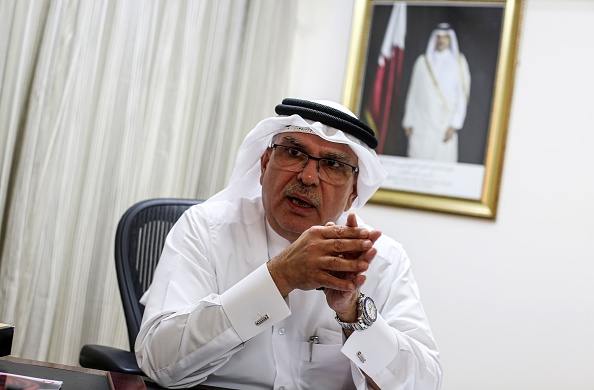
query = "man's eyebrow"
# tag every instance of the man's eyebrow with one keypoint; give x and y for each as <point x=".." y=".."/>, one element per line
<point x="292" y="140"/>
<point x="330" y="155"/>
<point x="337" y="156"/>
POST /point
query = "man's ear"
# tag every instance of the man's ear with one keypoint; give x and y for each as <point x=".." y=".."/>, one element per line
<point x="352" y="196"/>
<point x="264" y="163"/>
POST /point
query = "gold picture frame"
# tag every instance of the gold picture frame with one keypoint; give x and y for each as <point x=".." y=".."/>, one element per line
<point x="488" y="37"/>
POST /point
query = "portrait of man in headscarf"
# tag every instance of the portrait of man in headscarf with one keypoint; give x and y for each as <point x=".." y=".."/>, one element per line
<point x="437" y="98"/>
<point x="430" y="75"/>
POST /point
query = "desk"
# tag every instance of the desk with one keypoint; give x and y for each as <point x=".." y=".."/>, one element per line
<point x="76" y="378"/>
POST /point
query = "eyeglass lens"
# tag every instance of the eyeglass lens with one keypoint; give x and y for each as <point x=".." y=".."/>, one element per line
<point x="294" y="160"/>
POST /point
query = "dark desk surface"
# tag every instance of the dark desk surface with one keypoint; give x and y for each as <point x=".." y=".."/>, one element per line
<point x="76" y="378"/>
<point x="73" y="378"/>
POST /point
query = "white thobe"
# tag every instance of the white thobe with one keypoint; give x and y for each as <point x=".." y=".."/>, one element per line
<point x="214" y="315"/>
<point x="437" y="100"/>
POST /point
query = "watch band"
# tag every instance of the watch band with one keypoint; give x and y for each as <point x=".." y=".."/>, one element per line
<point x="366" y="318"/>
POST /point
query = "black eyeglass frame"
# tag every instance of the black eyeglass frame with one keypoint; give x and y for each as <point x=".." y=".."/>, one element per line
<point x="318" y="159"/>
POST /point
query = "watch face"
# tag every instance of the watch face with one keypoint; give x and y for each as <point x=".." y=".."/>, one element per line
<point x="370" y="309"/>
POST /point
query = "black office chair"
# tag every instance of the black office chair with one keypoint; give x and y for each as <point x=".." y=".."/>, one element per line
<point x="140" y="237"/>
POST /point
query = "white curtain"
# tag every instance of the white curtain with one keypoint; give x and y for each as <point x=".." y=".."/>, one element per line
<point x="102" y="104"/>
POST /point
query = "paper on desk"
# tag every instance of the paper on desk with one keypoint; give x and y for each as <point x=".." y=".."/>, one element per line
<point x="20" y="382"/>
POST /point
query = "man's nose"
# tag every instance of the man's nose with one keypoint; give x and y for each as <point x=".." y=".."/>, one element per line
<point x="309" y="174"/>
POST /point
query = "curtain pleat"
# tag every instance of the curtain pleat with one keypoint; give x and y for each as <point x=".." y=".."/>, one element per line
<point x="103" y="104"/>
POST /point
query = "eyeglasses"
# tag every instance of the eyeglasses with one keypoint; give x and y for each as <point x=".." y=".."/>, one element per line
<point x="294" y="160"/>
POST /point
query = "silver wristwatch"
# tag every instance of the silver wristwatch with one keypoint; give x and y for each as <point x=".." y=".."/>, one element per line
<point x="368" y="314"/>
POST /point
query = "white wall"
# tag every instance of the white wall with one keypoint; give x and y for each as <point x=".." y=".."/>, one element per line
<point x="511" y="301"/>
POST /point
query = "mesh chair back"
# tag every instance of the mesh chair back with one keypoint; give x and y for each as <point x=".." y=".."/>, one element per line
<point x="140" y="238"/>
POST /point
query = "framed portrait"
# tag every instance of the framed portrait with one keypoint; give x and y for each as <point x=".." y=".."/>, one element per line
<point x="434" y="79"/>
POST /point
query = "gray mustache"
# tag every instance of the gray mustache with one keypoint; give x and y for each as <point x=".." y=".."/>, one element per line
<point x="301" y="189"/>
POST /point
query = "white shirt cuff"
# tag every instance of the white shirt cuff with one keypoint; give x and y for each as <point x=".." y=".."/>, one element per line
<point x="254" y="304"/>
<point x="361" y="347"/>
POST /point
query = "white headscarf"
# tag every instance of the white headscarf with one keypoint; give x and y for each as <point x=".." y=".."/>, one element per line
<point x="245" y="179"/>
<point x="443" y="29"/>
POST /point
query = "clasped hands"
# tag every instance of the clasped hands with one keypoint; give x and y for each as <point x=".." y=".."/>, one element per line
<point x="332" y="257"/>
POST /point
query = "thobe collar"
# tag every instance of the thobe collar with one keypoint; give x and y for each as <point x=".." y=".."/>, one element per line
<point x="276" y="243"/>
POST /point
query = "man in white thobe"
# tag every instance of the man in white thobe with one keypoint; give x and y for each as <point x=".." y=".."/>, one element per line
<point x="274" y="283"/>
<point x="437" y="98"/>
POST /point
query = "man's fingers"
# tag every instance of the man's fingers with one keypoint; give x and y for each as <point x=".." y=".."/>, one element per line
<point x="339" y="264"/>
<point x="334" y="283"/>
<point x="359" y="280"/>
<point x="351" y="220"/>
<point x="348" y="246"/>
<point x="369" y="255"/>
<point x="341" y="231"/>
<point x="374" y="235"/>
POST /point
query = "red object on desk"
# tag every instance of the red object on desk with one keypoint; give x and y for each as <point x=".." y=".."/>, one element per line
<point x="18" y="382"/>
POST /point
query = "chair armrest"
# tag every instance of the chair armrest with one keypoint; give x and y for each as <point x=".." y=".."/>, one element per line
<point x="101" y="357"/>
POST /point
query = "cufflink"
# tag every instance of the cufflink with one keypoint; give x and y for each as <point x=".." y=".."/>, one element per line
<point x="262" y="319"/>
<point x="361" y="357"/>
